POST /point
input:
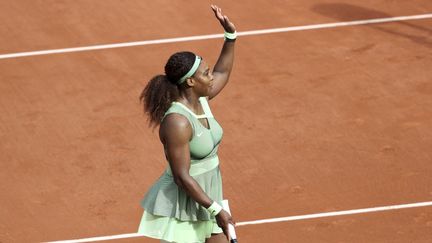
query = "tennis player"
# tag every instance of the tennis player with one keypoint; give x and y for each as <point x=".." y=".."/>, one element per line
<point x="184" y="204"/>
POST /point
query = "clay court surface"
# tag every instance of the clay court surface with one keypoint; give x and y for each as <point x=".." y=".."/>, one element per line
<point x="314" y="121"/>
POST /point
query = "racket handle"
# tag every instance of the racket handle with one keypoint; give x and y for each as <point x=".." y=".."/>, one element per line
<point x="232" y="232"/>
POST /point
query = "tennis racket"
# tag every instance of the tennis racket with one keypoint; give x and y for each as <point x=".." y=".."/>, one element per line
<point x="231" y="229"/>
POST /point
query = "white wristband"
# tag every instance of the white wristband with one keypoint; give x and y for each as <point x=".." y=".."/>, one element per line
<point x="231" y="36"/>
<point x="214" y="209"/>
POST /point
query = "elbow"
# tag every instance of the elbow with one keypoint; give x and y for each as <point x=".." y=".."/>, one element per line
<point x="182" y="181"/>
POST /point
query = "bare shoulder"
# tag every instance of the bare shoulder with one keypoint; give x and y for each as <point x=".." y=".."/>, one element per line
<point x="175" y="128"/>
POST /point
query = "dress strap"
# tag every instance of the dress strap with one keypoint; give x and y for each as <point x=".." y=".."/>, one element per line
<point x="206" y="107"/>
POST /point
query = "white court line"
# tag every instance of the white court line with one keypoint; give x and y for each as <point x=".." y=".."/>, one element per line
<point x="273" y="220"/>
<point x="213" y="36"/>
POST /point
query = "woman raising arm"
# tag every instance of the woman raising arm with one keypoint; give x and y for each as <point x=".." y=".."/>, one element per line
<point x="184" y="203"/>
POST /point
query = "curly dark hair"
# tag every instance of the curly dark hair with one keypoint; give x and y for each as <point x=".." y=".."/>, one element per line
<point x="163" y="89"/>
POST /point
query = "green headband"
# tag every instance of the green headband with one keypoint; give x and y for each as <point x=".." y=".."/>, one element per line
<point x="192" y="70"/>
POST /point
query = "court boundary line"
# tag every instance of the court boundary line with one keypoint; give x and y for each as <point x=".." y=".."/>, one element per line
<point x="272" y="220"/>
<point x="214" y="36"/>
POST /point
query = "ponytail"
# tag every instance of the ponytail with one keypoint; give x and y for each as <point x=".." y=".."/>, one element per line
<point x="157" y="97"/>
<point x="162" y="90"/>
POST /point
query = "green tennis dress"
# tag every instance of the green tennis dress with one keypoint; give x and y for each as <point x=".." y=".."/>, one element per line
<point x="169" y="213"/>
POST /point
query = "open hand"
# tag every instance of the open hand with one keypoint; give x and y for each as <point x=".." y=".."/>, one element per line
<point x="223" y="19"/>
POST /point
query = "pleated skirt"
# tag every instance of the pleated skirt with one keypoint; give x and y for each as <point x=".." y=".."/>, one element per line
<point x="173" y="230"/>
<point x="172" y="216"/>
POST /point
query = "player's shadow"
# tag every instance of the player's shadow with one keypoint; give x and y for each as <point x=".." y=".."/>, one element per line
<point x="347" y="12"/>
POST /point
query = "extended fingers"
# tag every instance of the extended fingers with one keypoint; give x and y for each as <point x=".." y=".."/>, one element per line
<point x="217" y="11"/>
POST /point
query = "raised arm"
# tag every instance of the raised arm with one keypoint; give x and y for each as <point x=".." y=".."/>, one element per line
<point x="224" y="64"/>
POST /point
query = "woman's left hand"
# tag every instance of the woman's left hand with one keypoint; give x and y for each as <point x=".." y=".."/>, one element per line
<point x="223" y="19"/>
